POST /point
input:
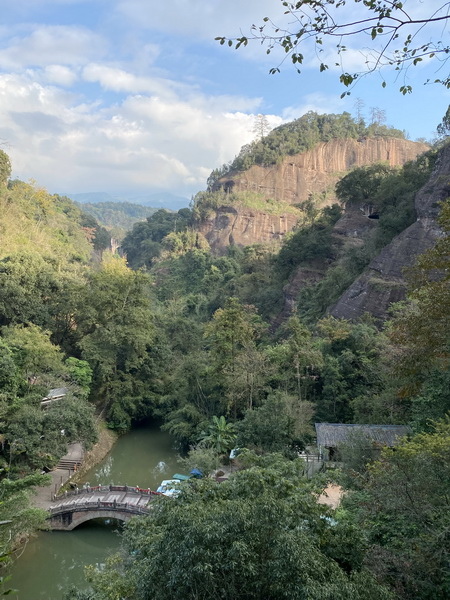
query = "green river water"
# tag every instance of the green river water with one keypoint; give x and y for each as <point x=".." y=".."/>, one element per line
<point x="54" y="560"/>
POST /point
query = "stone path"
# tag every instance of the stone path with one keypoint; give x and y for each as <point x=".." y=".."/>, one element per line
<point x="44" y="494"/>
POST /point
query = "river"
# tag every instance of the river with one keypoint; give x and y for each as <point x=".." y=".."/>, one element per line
<point x="54" y="560"/>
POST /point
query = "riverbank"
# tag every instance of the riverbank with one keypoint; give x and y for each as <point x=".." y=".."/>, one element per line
<point x="106" y="440"/>
<point x="60" y="477"/>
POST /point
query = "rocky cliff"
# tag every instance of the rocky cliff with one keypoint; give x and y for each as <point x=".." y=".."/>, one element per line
<point x="243" y="226"/>
<point x="293" y="181"/>
<point x="383" y="282"/>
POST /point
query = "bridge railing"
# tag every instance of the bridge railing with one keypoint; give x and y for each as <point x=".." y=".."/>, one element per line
<point x="99" y="504"/>
<point x="111" y="488"/>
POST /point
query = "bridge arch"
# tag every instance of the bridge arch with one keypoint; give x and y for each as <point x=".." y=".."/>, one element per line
<point x="70" y="520"/>
<point x="105" y="502"/>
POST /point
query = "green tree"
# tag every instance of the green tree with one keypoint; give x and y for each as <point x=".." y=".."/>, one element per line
<point x="142" y="244"/>
<point x="443" y="129"/>
<point x="204" y="459"/>
<point x="18" y="518"/>
<point x="296" y="361"/>
<point x="219" y="435"/>
<point x="114" y="333"/>
<point x="230" y="329"/>
<point x="361" y="185"/>
<point x="261" y="126"/>
<point x="5" y="168"/>
<point x="27" y="284"/>
<point x="36" y="438"/>
<point x="420" y="329"/>
<point x="259" y="535"/>
<point x="398" y="39"/>
<point x="405" y="509"/>
<point x="267" y="428"/>
<point x="80" y="373"/>
<point x="246" y="379"/>
<point x="34" y="353"/>
<point x="351" y="367"/>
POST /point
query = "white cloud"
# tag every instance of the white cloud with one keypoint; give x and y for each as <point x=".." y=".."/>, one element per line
<point x="127" y="108"/>
<point x="120" y="80"/>
<point x="60" y="75"/>
<point x="315" y="102"/>
<point x="45" y="45"/>
<point x="144" y="142"/>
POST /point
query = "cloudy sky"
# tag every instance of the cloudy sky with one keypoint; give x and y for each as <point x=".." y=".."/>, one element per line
<point x="136" y="96"/>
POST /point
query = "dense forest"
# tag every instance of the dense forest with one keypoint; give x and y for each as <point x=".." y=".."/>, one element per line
<point x="172" y="332"/>
<point x="117" y="217"/>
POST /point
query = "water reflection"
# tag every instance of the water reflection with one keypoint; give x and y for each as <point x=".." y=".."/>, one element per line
<point x="161" y="467"/>
<point x="55" y="560"/>
<point x="103" y="473"/>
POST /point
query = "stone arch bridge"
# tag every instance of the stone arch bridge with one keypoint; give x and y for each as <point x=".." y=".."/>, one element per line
<point x="103" y="501"/>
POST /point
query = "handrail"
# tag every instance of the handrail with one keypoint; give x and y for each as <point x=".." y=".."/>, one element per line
<point x="110" y="488"/>
<point x="86" y="506"/>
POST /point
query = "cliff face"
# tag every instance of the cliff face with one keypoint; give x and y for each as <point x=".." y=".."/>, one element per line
<point x="244" y="226"/>
<point x="292" y="182"/>
<point x="383" y="283"/>
<point x="296" y="177"/>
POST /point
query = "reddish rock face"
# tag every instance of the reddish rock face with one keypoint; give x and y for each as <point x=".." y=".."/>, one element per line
<point x="383" y="281"/>
<point x="243" y="226"/>
<point x="292" y="182"/>
<point x="296" y="177"/>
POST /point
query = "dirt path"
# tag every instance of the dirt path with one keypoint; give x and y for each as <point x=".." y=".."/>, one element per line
<point x="331" y="496"/>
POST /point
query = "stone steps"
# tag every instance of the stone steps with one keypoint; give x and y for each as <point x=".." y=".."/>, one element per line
<point x="69" y="464"/>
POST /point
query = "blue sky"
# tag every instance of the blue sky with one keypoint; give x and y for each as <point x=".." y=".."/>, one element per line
<point x="135" y="96"/>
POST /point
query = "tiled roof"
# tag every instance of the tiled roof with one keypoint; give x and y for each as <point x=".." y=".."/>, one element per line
<point x="330" y="435"/>
<point x="57" y="392"/>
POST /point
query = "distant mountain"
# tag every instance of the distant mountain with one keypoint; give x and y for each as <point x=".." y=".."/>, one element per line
<point x="117" y="217"/>
<point x="156" y="199"/>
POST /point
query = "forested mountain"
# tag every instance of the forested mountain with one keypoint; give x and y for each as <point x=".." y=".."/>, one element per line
<point x="117" y="217"/>
<point x="194" y="339"/>
<point x="152" y="200"/>
<point x="256" y="200"/>
<point x="296" y="137"/>
<point x="48" y="246"/>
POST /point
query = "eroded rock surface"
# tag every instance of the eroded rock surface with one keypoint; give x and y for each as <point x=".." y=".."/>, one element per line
<point x="292" y="182"/>
<point x="383" y="281"/>
<point x="316" y="170"/>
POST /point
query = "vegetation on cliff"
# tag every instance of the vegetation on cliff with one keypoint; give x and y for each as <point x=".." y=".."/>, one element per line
<point x="299" y="136"/>
<point x="187" y="338"/>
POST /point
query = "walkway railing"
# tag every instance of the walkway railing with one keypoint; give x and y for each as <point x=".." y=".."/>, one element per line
<point x="108" y="488"/>
<point x="100" y="504"/>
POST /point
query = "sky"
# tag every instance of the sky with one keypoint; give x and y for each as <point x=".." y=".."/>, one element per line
<point x="135" y="97"/>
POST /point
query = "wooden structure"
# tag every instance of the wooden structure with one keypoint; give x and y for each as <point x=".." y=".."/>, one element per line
<point x="53" y="395"/>
<point x="331" y="435"/>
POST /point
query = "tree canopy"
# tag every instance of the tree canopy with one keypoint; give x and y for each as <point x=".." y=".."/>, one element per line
<point x="259" y="535"/>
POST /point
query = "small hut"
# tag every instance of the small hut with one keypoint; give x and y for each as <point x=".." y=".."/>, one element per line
<point x="331" y="435"/>
<point x="53" y="395"/>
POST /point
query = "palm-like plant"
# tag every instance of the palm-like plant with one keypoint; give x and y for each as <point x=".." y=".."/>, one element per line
<point x="219" y="435"/>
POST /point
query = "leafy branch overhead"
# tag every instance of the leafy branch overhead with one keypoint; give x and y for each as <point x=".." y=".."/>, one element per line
<point x="384" y="33"/>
